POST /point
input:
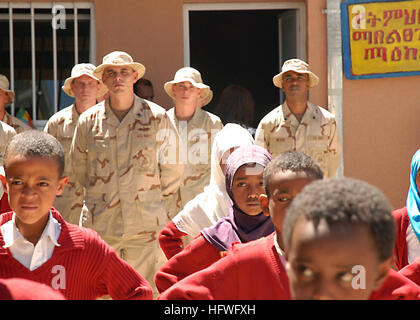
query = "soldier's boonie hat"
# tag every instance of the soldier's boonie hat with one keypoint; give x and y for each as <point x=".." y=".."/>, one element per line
<point x="298" y="66"/>
<point x="208" y="98"/>
<point x="119" y="59"/>
<point x="83" y="69"/>
<point x="191" y="75"/>
<point x="4" y="85"/>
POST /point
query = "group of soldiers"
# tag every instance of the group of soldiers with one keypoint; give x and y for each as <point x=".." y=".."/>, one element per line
<point x="133" y="165"/>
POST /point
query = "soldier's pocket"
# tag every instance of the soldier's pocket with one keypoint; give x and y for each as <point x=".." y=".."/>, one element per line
<point x="317" y="148"/>
<point x="281" y="144"/>
<point x="101" y="159"/>
<point x="144" y="157"/>
<point x="151" y="207"/>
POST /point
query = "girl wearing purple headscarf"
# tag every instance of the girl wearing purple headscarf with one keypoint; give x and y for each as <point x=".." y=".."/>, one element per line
<point x="244" y="222"/>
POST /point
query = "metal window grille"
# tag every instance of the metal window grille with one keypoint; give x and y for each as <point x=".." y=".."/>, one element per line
<point x="39" y="44"/>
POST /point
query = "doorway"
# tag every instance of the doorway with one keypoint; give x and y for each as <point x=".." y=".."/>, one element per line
<point x="243" y="44"/>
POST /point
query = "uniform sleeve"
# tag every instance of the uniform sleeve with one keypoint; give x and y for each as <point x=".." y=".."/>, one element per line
<point x="217" y="282"/>
<point x="51" y="128"/>
<point x="260" y="139"/>
<point x="6" y="135"/>
<point x="199" y="254"/>
<point x="170" y="170"/>
<point x="335" y="150"/>
<point x="170" y="240"/>
<point x="78" y="155"/>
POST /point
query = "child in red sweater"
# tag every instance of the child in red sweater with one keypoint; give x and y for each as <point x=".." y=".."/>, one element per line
<point x="339" y="235"/>
<point x="407" y="220"/>
<point x="213" y="203"/>
<point x="255" y="270"/>
<point x="23" y="289"/>
<point x="244" y="222"/>
<point x="37" y="244"/>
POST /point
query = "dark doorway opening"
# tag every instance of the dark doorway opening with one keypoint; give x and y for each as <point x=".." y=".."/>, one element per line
<point x="243" y="47"/>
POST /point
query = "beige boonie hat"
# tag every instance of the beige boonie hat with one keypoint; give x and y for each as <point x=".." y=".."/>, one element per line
<point x="191" y="75"/>
<point x="119" y="59"/>
<point x="208" y="98"/>
<point x="83" y="69"/>
<point x="5" y="86"/>
<point x="298" y="66"/>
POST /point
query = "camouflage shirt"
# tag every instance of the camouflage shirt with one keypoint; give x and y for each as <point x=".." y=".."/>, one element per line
<point x="316" y="135"/>
<point x="131" y="191"/>
<point x="62" y="126"/>
<point x="6" y="134"/>
<point x="194" y="142"/>
<point x="15" y="123"/>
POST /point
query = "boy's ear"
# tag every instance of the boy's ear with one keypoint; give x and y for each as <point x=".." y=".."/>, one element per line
<point x="264" y="204"/>
<point x="61" y="184"/>
<point x="384" y="268"/>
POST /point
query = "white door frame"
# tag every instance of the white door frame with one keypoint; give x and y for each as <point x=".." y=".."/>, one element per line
<point x="301" y="14"/>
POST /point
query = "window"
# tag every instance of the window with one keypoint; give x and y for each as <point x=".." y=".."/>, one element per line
<point x="39" y="45"/>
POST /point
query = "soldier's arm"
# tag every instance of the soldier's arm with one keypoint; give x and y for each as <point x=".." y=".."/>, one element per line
<point x="51" y="128"/>
<point x="170" y="169"/>
<point x="335" y="150"/>
<point x="78" y="155"/>
<point x="260" y="139"/>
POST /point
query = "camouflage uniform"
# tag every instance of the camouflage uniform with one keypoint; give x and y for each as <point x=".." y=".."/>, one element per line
<point x="62" y="126"/>
<point x="6" y="134"/>
<point x="15" y="123"/>
<point x="130" y="194"/>
<point x="316" y="135"/>
<point x="193" y="136"/>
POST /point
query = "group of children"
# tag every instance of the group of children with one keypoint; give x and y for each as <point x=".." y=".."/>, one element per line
<point x="286" y="233"/>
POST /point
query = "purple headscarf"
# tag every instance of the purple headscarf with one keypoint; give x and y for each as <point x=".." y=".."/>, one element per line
<point x="239" y="226"/>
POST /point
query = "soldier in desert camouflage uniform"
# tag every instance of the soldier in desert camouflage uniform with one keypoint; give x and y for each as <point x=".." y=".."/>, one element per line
<point x="85" y="88"/>
<point x="298" y="124"/>
<point x="120" y="155"/>
<point x="6" y="98"/>
<point x="195" y="129"/>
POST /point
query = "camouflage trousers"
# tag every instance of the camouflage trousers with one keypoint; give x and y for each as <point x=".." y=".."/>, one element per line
<point x="145" y="257"/>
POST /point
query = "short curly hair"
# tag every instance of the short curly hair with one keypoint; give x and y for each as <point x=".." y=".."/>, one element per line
<point x="36" y="143"/>
<point x="345" y="200"/>
<point x="295" y="161"/>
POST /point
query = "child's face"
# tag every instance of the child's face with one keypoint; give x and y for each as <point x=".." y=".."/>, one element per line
<point x="337" y="262"/>
<point x="247" y="186"/>
<point x="283" y="188"/>
<point x="32" y="185"/>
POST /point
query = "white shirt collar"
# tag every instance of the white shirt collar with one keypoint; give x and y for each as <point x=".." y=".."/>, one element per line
<point x="11" y="232"/>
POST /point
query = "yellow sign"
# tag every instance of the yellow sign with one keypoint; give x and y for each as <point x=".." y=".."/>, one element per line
<point x="384" y="37"/>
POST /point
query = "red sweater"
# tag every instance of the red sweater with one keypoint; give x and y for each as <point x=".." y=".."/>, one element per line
<point x="170" y="240"/>
<point x="402" y="221"/>
<point x="4" y="203"/>
<point x="412" y="271"/>
<point x="396" y="287"/>
<point x="199" y="254"/>
<point x="254" y="271"/>
<point x="251" y="271"/>
<point x="22" y="289"/>
<point x="82" y="267"/>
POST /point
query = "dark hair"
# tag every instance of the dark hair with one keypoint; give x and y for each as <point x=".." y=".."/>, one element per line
<point x="295" y="161"/>
<point x="142" y="81"/>
<point x="236" y="105"/>
<point x="345" y="200"/>
<point x="35" y="143"/>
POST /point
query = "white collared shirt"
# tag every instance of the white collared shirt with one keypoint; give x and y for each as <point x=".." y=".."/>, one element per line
<point x="413" y="245"/>
<point x="279" y="250"/>
<point x="24" y="251"/>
